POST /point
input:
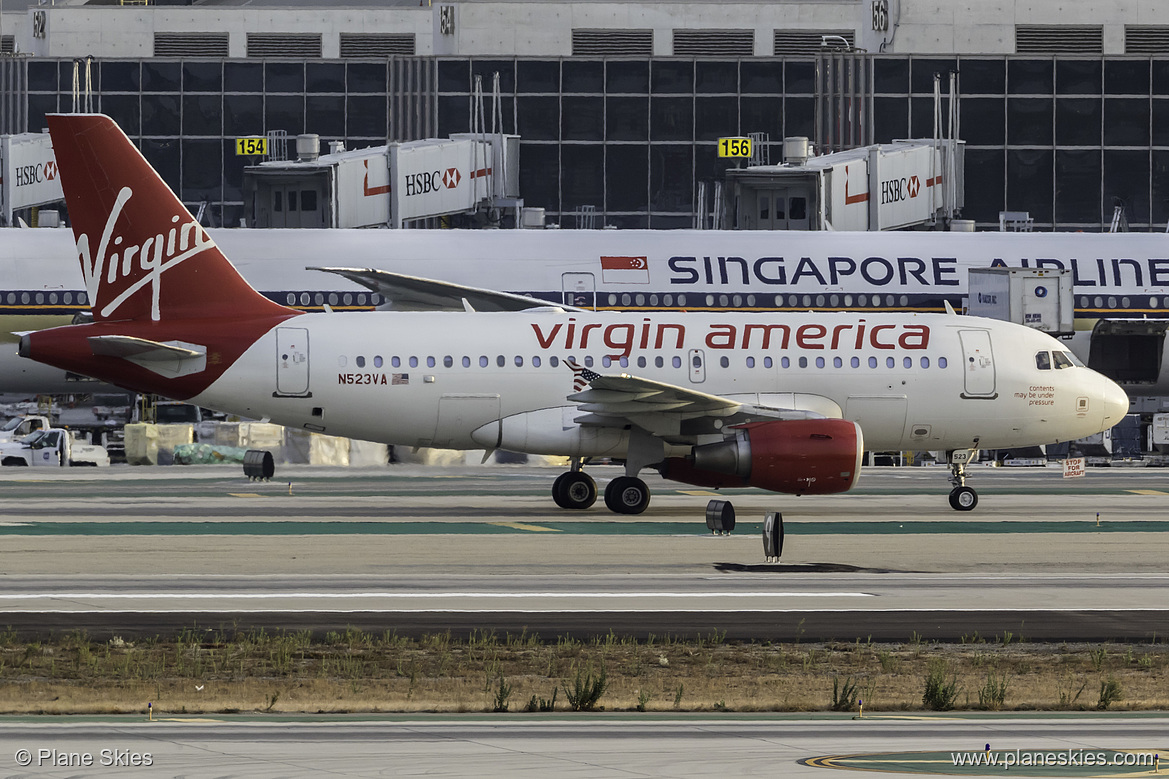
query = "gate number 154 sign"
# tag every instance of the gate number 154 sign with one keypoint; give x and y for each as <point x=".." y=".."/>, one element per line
<point x="734" y="147"/>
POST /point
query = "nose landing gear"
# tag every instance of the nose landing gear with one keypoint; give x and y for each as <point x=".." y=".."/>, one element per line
<point x="962" y="498"/>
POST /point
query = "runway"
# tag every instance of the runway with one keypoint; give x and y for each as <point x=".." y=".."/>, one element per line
<point x="564" y="745"/>
<point x="149" y="550"/>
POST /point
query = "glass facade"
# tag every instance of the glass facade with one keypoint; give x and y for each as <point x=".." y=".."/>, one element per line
<point x="1065" y="138"/>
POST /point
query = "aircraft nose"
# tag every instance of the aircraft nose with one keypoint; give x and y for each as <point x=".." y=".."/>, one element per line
<point x="1115" y="402"/>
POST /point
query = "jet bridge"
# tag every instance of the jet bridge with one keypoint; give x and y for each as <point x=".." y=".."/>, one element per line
<point x="887" y="186"/>
<point x="386" y="186"/>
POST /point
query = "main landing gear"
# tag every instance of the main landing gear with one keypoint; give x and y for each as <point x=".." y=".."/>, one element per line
<point x="627" y="495"/>
<point x="574" y="489"/>
<point x="962" y="498"/>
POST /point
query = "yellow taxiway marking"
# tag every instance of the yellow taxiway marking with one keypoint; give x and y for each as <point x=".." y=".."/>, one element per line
<point x="697" y="492"/>
<point x="1149" y="492"/>
<point x="522" y="526"/>
<point x="245" y="495"/>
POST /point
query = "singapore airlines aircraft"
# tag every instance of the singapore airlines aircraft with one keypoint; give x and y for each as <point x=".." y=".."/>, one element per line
<point x="1121" y="280"/>
<point x="781" y="401"/>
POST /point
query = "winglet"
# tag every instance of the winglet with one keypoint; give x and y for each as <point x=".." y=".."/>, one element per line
<point x="950" y="309"/>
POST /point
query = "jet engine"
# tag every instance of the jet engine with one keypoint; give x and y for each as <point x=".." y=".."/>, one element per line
<point x="803" y="457"/>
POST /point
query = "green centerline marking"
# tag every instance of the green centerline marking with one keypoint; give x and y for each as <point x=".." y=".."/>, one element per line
<point x="599" y="527"/>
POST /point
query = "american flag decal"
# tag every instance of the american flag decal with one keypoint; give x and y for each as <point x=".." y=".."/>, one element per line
<point x="580" y="376"/>
<point x="400" y="378"/>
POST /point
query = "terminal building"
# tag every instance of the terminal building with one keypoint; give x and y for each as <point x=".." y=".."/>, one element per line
<point x="1063" y="107"/>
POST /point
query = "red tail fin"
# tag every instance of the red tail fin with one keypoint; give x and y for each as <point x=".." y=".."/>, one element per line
<point x="141" y="253"/>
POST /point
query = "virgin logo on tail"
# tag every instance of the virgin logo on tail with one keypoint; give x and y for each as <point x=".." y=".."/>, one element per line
<point x="156" y="255"/>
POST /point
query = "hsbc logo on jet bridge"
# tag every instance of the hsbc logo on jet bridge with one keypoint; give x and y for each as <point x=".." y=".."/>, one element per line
<point x="27" y="175"/>
<point x="897" y="190"/>
<point x="432" y="181"/>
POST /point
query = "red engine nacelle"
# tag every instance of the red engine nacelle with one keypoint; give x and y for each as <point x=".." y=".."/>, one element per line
<point x="804" y="457"/>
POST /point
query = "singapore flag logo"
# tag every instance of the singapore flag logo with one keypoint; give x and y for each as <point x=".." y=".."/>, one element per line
<point x="625" y="270"/>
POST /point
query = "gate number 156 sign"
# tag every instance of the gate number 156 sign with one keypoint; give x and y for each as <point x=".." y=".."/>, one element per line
<point x="734" y="147"/>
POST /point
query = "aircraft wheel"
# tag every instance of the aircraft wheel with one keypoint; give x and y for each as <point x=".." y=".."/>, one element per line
<point x="574" y="490"/>
<point x="627" y="495"/>
<point x="963" y="499"/>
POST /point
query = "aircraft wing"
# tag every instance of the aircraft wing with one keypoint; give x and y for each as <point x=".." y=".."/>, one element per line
<point x="414" y="293"/>
<point x="672" y="412"/>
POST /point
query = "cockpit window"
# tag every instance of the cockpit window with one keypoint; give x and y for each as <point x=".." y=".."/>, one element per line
<point x="1061" y="360"/>
<point x="1076" y="361"/>
<point x="1043" y="361"/>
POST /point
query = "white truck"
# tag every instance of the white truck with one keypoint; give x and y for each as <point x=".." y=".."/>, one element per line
<point x="19" y="427"/>
<point x="52" y="446"/>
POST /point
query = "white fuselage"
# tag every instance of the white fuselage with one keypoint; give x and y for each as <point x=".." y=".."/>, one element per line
<point x="924" y="382"/>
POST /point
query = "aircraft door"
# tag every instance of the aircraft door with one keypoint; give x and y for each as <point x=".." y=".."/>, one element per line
<point x="579" y="289"/>
<point x="697" y="366"/>
<point x="977" y="364"/>
<point x="292" y="361"/>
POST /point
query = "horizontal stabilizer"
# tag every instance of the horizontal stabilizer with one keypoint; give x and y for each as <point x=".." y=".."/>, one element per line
<point x="414" y="293"/>
<point x="171" y="359"/>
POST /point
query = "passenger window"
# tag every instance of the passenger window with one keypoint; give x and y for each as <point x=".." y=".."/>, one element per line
<point x="377" y="361"/>
<point x="360" y="362"/>
<point x="1061" y="360"/>
<point x="396" y="362"/>
<point x="1043" y="361"/>
<point x="448" y="361"/>
<point x="413" y="362"/>
<point x="659" y="362"/>
<point x="519" y="361"/>
<point x="553" y="361"/>
<point x="676" y="362"/>
<point x="483" y="361"/>
<point x="429" y="362"/>
<point x="536" y="361"/>
<point x="500" y="360"/>
<point x="640" y="362"/>
<point x="750" y="362"/>
<point x="767" y="362"/>
<point x="724" y="362"/>
<point x="606" y="361"/>
<point x="466" y="362"/>
<point x="942" y="362"/>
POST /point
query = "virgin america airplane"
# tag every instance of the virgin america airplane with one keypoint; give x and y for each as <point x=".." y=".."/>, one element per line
<point x="781" y="401"/>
